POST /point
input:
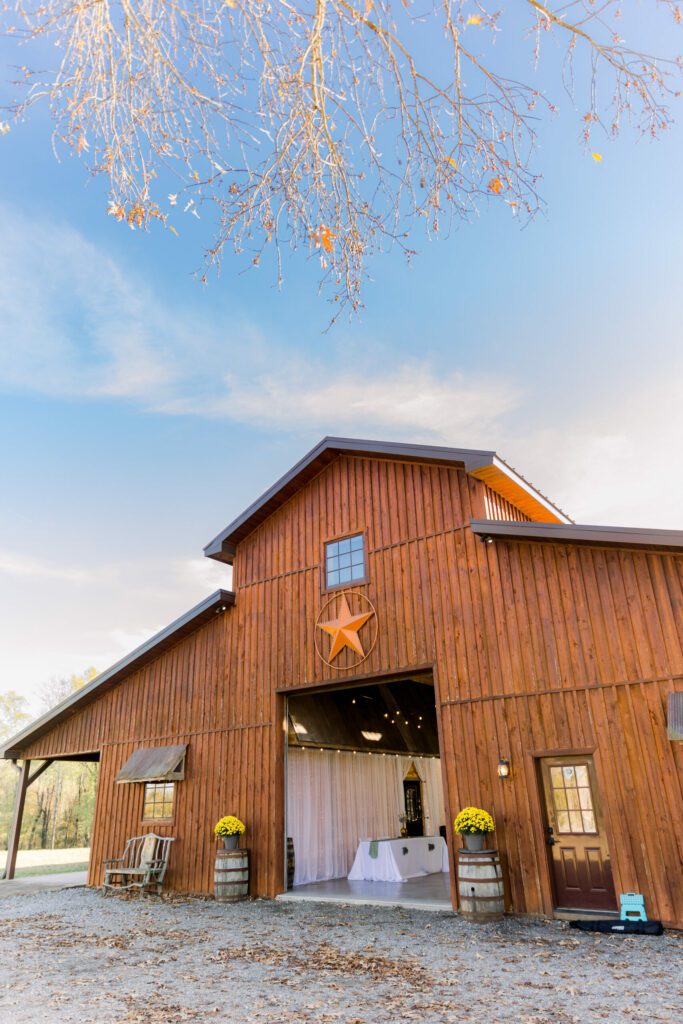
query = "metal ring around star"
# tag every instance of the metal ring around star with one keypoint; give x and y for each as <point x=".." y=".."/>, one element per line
<point x="335" y="597"/>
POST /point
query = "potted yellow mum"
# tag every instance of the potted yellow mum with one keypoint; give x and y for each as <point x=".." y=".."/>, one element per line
<point x="229" y="829"/>
<point x="473" y="824"/>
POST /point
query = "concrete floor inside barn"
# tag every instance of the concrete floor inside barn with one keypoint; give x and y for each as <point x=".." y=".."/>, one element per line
<point x="73" y="957"/>
<point x="430" y="892"/>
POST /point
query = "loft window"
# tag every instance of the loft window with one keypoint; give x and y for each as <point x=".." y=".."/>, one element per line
<point x="345" y="561"/>
<point x="158" y="804"/>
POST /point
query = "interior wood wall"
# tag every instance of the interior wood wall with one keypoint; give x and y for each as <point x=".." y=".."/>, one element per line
<point x="536" y="648"/>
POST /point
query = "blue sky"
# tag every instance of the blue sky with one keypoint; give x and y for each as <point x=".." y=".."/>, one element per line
<point x="140" y="411"/>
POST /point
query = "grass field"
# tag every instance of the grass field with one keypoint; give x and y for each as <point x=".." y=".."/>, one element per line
<point x="49" y="869"/>
<point x="48" y="862"/>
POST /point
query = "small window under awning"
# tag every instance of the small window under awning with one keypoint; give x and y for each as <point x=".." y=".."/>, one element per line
<point x="154" y="764"/>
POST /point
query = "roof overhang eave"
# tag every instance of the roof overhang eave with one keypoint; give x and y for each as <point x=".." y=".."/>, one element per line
<point x="485" y="465"/>
<point x="12" y="749"/>
<point x="571" y="533"/>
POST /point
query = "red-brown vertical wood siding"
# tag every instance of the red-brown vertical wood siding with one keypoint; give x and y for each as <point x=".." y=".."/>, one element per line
<point x="536" y="648"/>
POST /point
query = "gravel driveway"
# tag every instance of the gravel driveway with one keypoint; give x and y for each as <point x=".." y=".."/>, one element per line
<point x="74" y="956"/>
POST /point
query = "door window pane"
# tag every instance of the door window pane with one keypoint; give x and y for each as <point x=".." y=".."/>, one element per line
<point x="576" y="821"/>
<point x="563" y="821"/>
<point x="572" y="799"/>
<point x="589" y="821"/>
<point x="585" y="799"/>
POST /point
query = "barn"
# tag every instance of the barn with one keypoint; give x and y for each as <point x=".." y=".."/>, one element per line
<point x="409" y="629"/>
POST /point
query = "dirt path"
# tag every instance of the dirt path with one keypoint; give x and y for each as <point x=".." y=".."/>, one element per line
<point x="74" y="956"/>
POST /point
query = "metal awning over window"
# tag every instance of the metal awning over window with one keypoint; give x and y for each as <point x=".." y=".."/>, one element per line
<point x="154" y="764"/>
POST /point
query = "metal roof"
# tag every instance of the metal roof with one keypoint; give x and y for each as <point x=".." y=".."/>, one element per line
<point x="187" y="623"/>
<point x="621" y="536"/>
<point x="485" y="465"/>
<point x="154" y="764"/>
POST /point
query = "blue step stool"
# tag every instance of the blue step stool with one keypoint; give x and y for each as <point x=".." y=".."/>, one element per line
<point x="632" y="907"/>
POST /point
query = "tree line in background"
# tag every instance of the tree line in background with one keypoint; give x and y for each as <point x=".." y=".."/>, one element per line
<point x="60" y="804"/>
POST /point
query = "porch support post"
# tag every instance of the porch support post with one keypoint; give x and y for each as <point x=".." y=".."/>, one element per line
<point x="17" y="816"/>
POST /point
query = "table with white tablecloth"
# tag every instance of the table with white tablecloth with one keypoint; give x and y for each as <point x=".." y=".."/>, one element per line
<point x="395" y="860"/>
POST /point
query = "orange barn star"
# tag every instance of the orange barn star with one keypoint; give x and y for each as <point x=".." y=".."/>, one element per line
<point x="344" y="630"/>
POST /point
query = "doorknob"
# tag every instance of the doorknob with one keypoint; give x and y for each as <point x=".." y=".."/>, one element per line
<point x="549" y="837"/>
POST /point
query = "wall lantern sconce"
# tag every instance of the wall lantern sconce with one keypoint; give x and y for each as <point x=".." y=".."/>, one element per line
<point x="503" y="768"/>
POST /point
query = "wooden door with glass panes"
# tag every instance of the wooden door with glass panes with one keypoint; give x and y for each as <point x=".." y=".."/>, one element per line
<point x="575" y="834"/>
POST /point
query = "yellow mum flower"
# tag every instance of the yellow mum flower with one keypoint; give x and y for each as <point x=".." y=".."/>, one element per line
<point x="472" y="820"/>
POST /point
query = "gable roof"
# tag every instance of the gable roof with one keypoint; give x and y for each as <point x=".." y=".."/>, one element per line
<point x="179" y="628"/>
<point x="485" y="465"/>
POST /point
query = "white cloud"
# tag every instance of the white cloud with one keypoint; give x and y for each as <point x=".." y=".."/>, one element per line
<point x="77" y="323"/>
<point x="74" y="323"/>
<point x="413" y="400"/>
<point x="616" y="463"/>
<point x="12" y="564"/>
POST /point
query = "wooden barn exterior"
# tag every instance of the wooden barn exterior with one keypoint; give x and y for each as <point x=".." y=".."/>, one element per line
<point x="548" y="644"/>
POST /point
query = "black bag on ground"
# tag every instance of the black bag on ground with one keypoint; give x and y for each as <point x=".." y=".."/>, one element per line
<point x="620" y="927"/>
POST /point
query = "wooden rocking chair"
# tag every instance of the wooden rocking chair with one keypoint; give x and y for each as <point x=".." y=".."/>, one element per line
<point x="142" y="866"/>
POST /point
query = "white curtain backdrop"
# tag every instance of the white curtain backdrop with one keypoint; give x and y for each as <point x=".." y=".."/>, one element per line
<point x="336" y="799"/>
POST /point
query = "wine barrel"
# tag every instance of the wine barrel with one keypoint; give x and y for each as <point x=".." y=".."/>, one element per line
<point x="480" y="885"/>
<point x="231" y="875"/>
<point x="290" y="862"/>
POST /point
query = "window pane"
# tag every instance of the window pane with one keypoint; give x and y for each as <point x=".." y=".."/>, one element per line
<point x="572" y="800"/>
<point x="581" y="775"/>
<point x="345" y="560"/>
<point x="589" y="822"/>
<point x="585" y="799"/>
<point x="158" y="801"/>
<point x="562" y="821"/>
<point x="575" y="820"/>
<point x="560" y="798"/>
<point x="568" y="773"/>
<point x="556" y="776"/>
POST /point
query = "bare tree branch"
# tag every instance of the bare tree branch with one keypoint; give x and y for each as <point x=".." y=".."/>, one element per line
<point x="330" y="126"/>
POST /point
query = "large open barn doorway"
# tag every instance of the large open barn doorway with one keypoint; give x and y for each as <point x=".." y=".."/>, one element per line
<point x="365" y="807"/>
